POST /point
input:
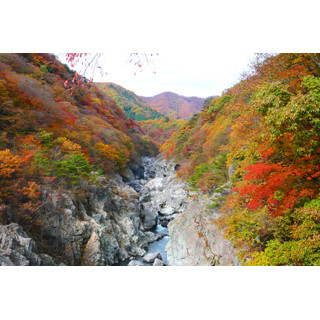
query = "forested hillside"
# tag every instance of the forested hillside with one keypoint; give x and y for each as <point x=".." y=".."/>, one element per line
<point x="265" y="133"/>
<point x="51" y="137"/>
<point x="159" y="122"/>
<point x="174" y="105"/>
<point x="160" y="130"/>
<point x="134" y="106"/>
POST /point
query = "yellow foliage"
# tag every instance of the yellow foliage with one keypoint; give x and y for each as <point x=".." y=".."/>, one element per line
<point x="68" y="146"/>
<point x="98" y="101"/>
<point x="8" y="163"/>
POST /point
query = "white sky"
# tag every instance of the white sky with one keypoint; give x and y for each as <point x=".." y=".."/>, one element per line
<point x="199" y="74"/>
<point x="203" y="45"/>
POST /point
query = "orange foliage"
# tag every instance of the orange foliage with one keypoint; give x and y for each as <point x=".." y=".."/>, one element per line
<point x="108" y="151"/>
<point x="9" y="164"/>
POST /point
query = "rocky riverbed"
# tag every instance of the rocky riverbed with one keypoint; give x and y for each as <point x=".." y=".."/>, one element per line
<point x="162" y="197"/>
<point x="193" y="238"/>
<point x="147" y="216"/>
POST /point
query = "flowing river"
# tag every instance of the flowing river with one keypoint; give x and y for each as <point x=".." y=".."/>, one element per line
<point x="159" y="245"/>
<point x="156" y="191"/>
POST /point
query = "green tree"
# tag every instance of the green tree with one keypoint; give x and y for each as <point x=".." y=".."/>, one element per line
<point x="73" y="168"/>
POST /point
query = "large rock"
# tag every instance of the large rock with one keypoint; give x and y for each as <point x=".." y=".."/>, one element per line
<point x="151" y="257"/>
<point x="176" y="194"/>
<point x="118" y="235"/>
<point x="5" y="259"/>
<point x="149" y="215"/>
<point x="155" y="185"/>
<point x="158" y="263"/>
<point x="154" y="236"/>
<point x="164" y="194"/>
<point x="167" y="211"/>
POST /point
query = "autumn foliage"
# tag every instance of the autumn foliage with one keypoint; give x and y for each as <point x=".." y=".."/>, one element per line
<point x="52" y="136"/>
<point x="175" y="106"/>
<point x="131" y="104"/>
<point x="268" y="128"/>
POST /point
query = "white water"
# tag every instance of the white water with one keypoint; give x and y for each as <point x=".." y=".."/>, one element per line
<point x="159" y="245"/>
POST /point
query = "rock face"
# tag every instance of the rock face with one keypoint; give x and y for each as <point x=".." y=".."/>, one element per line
<point x="104" y="224"/>
<point x="17" y="249"/>
<point x="196" y="241"/>
<point x="103" y="228"/>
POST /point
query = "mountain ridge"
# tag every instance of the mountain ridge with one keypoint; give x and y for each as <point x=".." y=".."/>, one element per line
<point x="174" y="105"/>
<point x="133" y="105"/>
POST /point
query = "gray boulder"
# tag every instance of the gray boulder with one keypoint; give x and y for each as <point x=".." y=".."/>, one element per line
<point x="151" y="257"/>
<point x="167" y="211"/>
<point x="149" y="215"/>
<point x="154" y="236"/>
<point x="158" y="263"/>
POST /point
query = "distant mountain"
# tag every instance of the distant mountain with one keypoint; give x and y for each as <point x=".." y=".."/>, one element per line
<point x="134" y="106"/>
<point x="175" y="106"/>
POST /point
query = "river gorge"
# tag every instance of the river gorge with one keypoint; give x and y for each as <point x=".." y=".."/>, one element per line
<point x="145" y="217"/>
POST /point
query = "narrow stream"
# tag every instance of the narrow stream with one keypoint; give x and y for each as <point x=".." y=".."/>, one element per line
<point x="158" y="245"/>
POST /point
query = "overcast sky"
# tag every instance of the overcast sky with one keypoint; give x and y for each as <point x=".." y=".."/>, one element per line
<point x="203" y="45"/>
<point x="200" y="74"/>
